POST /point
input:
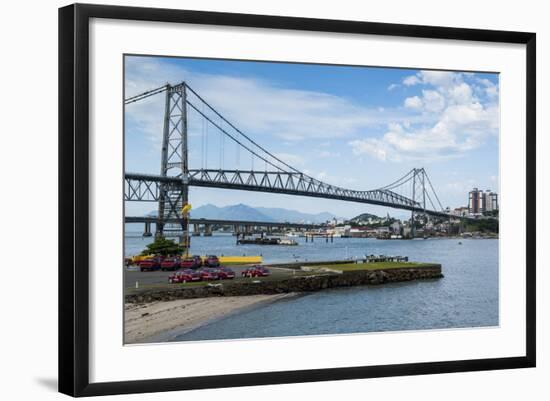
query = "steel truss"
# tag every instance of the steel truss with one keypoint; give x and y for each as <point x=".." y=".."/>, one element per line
<point x="143" y="187"/>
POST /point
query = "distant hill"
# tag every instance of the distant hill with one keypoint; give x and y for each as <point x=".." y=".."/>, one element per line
<point x="364" y="217"/>
<point x="280" y="214"/>
<point x="233" y="212"/>
<point x="245" y="212"/>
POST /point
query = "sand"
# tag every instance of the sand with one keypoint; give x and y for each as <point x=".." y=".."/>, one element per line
<point x="158" y="321"/>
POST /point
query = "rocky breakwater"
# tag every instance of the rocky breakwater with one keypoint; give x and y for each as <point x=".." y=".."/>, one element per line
<point x="303" y="283"/>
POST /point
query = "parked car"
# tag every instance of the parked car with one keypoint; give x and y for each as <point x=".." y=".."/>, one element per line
<point x="170" y="264"/>
<point x="198" y="259"/>
<point x="225" y="273"/>
<point x="256" y="271"/>
<point x="208" y="274"/>
<point x="150" y="264"/>
<point x="191" y="263"/>
<point x="249" y="272"/>
<point x="262" y="271"/>
<point x="212" y="261"/>
<point x="184" y="276"/>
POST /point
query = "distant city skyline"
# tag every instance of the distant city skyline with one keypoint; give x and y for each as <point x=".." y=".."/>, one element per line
<point x="356" y="127"/>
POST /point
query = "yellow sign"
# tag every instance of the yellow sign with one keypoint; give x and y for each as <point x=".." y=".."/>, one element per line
<point x="186" y="208"/>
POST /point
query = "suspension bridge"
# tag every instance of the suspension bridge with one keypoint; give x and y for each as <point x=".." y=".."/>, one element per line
<point x="231" y="159"/>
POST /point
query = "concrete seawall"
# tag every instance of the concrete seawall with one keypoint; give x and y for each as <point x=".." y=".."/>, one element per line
<point x="315" y="282"/>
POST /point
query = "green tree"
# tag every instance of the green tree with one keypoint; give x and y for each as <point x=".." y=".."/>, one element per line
<point x="483" y="225"/>
<point x="163" y="246"/>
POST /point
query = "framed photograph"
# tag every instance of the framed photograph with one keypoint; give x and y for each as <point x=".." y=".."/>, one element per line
<point x="251" y="199"/>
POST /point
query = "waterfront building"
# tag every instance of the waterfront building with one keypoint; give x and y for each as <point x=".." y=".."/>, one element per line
<point x="480" y="201"/>
<point x="474" y="197"/>
<point x="460" y="211"/>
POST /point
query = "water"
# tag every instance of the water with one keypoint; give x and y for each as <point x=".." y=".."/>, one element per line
<point x="466" y="297"/>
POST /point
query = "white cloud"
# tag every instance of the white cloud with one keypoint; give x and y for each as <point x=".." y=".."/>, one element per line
<point x="411" y="80"/>
<point x="460" y="94"/>
<point x="413" y="102"/>
<point x="438" y="78"/>
<point x="393" y="86"/>
<point x="433" y="101"/>
<point x="461" y="121"/>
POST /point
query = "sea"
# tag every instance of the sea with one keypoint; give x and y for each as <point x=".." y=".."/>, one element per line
<point x="467" y="296"/>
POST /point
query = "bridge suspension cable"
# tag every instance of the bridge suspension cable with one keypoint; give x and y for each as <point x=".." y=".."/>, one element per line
<point x="410" y="191"/>
<point x="145" y="94"/>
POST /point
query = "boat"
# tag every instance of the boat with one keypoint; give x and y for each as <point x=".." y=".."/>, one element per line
<point x="266" y="241"/>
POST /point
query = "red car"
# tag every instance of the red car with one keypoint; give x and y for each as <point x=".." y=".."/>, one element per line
<point x="226" y="273"/>
<point x="191" y="263"/>
<point x="184" y="276"/>
<point x="198" y="259"/>
<point x="256" y="271"/>
<point x="262" y="271"/>
<point x="212" y="261"/>
<point x="170" y="264"/>
<point x="150" y="264"/>
<point x="208" y="274"/>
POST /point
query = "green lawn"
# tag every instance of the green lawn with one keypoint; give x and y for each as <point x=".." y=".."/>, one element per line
<point x="372" y="266"/>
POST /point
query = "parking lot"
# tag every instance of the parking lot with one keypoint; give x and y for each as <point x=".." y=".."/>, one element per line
<point x="151" y="279"/>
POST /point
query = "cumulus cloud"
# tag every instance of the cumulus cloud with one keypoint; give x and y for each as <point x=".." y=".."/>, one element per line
<point x="411" y="80"/>
<point x="464" y="110"/>
<point x="413" y="102"/>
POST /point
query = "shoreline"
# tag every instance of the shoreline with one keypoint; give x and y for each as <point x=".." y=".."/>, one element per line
<point x="161" y="321"/>
<point x="300" y="281"/>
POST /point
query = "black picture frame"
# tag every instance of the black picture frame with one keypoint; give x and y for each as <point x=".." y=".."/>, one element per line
<point x="74" y="198"/>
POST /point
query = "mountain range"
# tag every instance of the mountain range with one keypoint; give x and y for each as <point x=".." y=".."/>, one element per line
<point x="248" y="213"/>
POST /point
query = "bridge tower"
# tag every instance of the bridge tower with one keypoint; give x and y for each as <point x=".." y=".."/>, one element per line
<point x="418" y="195"/>
<point x="174" y="162"/>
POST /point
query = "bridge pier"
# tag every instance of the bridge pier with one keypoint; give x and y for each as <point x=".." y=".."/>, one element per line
<point x="207" y="230"/>
<point x="196" y="230"/>
<point x="147" y="230"/>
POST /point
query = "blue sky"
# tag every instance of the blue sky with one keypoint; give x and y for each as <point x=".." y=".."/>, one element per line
<point x="357" y="127"/>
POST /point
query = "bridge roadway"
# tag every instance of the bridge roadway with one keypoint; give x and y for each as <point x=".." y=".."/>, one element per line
<point x="146" y="188"/>
<point x="144" y="219"/>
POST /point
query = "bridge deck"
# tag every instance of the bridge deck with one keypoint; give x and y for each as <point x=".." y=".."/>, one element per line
<point x="152" y="219"/>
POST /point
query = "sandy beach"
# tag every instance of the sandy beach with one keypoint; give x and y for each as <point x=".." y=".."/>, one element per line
<point x="155" y="321"/>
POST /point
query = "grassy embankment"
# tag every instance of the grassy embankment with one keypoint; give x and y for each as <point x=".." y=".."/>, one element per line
<point x="373" y="266"/>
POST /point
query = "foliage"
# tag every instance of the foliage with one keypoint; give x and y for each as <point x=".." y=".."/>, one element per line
<point x="491" y="213"/>
<point x="483" y="225"/>
<point x="163" y="246"/>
